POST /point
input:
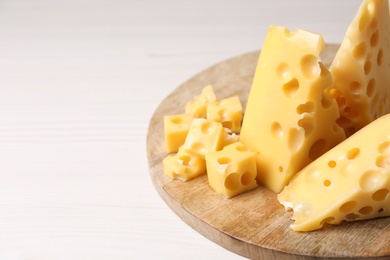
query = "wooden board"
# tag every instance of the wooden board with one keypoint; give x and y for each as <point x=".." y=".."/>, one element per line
<point x="252" y="224"/>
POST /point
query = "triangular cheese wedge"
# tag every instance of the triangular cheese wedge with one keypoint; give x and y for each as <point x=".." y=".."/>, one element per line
<point x="289" y="120"/>
<point x="349" y="182"/>
<point x="361" y="68"/>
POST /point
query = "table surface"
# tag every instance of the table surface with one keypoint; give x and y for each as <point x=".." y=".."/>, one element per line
<point x="80" y="80"/>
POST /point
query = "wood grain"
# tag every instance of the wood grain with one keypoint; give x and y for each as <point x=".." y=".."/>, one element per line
<point x="252" y="224"/>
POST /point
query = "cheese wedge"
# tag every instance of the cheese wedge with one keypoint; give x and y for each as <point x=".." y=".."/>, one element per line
<point x="361" y="67"/>
<point x="349" y="182"/>
<point x="289" y="120"/>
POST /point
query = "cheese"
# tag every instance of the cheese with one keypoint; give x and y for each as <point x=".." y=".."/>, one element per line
<point x="232" y="170"/>
<point x="176" y="128"/>
<point x="361" y="67"/>
<point x="205" y="136"/>
<point x="349" y="182"/>
<point x="197" y="107"/>
<point x="184" y="166"/>
<point x="227" y="111"/>
<point x="289" y="120"/>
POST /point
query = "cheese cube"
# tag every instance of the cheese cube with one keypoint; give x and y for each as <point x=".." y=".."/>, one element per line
<point x="232" y="170"/>
<point x="361" y="67"/>
<point x="227" y="111"/>
<point x="349" y="182"/>
<point x="184" y="165"/>
<point x="176" y="128"/>
<point x="205" y="136"/>
<point x="289" y="119"/>
<point x="197" y="107"/>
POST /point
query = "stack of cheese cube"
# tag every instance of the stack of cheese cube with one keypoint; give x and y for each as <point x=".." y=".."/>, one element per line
<point x="205" y="139"/>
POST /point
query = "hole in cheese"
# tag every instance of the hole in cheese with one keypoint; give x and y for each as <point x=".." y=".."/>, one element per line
<point x="359" y="51"/>
<point x="332" y="164"/>
<point x="367" y="67"/>
<point x="224" y="160"/>
<point x="326" y="101"/>
<point x="379" y="57"/>
<point x="381" y="210"/>
<point x="240" y="148"/>
<point x="206" y="127"/>
<point x="383" y="161"/>
<point x="380" y="195"/>
<point x="177" y="120"/>
<point x="185" y="159"/>
<point x="198" y="147"/>
<point x="353" y="153"/>
<point x="309" y="66"/>
<point x="247" y="178"/>
<point x="290" y="88"/>
<point x="355" y="87"/>
<point x="283" y="71"/>
<point x="308" y="107"/>
<point x="232" y="181"/>
<point x="366" y="210"/>
<point x="327" y="183"/>
<point x="371" y="180"/>
<point x="277" y="130"/>
<point x="348" y="207"/>
<point x="328" y="220"/>
<point x="384" y="148"/>
<point x="352" y="216"/>
<point x="374" y="39"/>
<point x="370" y="88"/>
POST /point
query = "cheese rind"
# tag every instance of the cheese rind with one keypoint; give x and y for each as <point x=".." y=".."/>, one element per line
<point x="349" y="182"/>
<point x="361" y="67"/>
<point x="232" y="170"/>
<point x="176" y="128"/>
<point x="289" y="119"/>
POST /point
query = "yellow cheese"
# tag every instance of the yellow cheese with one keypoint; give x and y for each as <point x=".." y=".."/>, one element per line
<point x="184" y="166"/>
<point x="228" y="111"/>
<point x="361" y="67"/>
<point x="289" y="120"/>
<point x="232" y="170"/>
<point x="197" y="107"/>
<point x="349" y="182"/>
<point x="176" y="128"/>
<point x="205" y="136"/>
<point x="230" y="137"/>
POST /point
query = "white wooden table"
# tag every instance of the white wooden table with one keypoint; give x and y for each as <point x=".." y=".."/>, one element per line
<point x="79" y="81"/>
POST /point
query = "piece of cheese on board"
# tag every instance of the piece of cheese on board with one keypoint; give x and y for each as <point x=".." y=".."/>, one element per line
<point x="289" y="119"/>
<point x="349" y="182"/>
<point x="361" y="67"/>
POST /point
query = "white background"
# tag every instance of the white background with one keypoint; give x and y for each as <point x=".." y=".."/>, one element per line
<point x="79" y="82"/>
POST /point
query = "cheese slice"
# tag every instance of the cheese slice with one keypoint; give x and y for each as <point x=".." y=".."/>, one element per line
<point x="361" y="67"/>
<point x="349" y="182"/>
<point x="289" y="120"/>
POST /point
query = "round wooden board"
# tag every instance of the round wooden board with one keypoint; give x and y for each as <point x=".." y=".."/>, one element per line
<point x="252" y="224"/>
